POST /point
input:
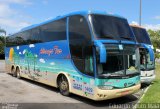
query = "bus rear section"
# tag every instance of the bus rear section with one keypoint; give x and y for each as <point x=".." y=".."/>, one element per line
<point x="147" y="61"/>
<point x="91" y="54"/>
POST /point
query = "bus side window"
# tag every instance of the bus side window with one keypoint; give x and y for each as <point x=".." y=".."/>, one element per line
<point x="80" y="44"/>
<point x="53" y="31"/>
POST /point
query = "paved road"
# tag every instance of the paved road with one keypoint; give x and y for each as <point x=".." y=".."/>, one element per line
<point x="13" y="90"/>
<point x="2" y="66"/>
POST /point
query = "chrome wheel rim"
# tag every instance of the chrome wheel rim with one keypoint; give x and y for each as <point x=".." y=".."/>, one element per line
<point x="64" y="85"/>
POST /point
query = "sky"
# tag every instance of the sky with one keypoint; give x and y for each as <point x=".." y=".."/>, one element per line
<point x="17" y="14"/>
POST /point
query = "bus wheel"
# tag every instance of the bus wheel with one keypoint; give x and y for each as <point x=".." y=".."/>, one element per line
<point x="18" y="73"/>
<point x="64" y="86"/>
<point x="13" y="71"/>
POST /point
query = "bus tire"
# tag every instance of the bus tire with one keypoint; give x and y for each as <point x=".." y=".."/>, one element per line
<point x="63" y="85"/>
<point x="13" y="73"/>
<point x="18" y="75"/>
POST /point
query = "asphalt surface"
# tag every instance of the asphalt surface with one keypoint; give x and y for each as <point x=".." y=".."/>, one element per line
<point x="2" y="66"/>
<point x="26" y="94"/>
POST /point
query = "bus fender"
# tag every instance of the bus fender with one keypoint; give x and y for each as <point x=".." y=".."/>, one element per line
<point x="18" y="68"/>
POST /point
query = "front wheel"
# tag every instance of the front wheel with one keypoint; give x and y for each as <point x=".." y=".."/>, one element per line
<point x="18" y="73"/>
<point x="64" y="86"/>
<point x="13" y="72"/>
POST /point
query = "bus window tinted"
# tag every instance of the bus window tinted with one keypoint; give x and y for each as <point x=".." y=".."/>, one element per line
<point x="110" y="27"/>
<point x="79" y="35"/>
<point x="141" y="35"/>
<point x="53" y="31"/>
<point x="22" y="38"/>
<point x="80" y="44"/>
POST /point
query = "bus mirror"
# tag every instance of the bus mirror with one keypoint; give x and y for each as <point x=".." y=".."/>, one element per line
<point x="101" y="51"/>
<point x="151" y="52"/>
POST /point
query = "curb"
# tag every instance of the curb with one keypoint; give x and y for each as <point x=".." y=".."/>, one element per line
<point x="144" y="92"/>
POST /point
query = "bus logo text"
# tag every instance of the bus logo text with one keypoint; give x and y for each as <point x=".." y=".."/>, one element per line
<point x="55" y="50"/>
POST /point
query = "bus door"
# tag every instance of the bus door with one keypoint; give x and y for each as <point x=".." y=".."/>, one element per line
<point x="81" y="54"/>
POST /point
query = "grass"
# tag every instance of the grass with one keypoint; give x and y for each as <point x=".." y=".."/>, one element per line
<point x="153" y="93"/>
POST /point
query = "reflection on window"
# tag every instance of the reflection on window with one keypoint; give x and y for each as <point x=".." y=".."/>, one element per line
<point x="145" y="61"/>
<point x="150" y="64"/>
<point x="131" y="65"/>
<point x="120" y="62"/>
<point x="80" y="44"/>
<point x="110" y="27"/>
<point x="114" y="64"/>
<point x="141" y="35"/>
<point x="53" y="31"/>
<point x="89" y="65"/>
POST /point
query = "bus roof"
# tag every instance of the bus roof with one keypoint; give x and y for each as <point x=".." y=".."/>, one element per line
<point x="137" y="26"/>
<point x="70" y="14"/>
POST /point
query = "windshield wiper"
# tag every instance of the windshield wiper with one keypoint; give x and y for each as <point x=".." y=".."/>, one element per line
<point x="107" y="76"/>
<point x="111" y="75"/>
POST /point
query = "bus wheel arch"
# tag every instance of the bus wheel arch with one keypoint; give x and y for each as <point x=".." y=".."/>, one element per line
<point x="63" y="84"/>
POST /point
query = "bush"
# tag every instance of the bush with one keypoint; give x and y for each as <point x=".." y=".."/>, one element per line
<point x="157" y="55"/>
<point x="2" y="45"/>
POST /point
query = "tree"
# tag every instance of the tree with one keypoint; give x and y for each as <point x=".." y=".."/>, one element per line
<point x="2" y="42"/>
<point x="2" y="31"/>
<point x="2" y="45"/>
<point x="155" y="39"/>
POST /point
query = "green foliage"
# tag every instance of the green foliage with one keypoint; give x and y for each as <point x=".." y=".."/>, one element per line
<point x="2" y="41"/>
<point x="155" y="38"/>
<point x="157" y="55"/>
<point x="153" y="95"/>
<point x="2" y="44"/>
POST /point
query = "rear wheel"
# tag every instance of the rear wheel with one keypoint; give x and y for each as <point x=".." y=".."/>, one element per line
<point x="64" y="86"/>
<point x="13" y="72"/>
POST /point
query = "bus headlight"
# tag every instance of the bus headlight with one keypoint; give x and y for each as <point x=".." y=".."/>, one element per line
<point x="105" y="87"/>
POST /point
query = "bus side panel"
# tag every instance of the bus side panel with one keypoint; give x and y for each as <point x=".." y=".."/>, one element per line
<point x="42" y="62"/>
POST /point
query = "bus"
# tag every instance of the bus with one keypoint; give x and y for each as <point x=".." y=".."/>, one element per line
<point x="89" y="53"/>
<point x="147" y="61"/>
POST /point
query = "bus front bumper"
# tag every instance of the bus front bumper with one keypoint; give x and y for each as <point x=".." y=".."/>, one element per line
<point x="147" y="76"/>
<point x="115" y="93"/>
<point x="148" y="80"/>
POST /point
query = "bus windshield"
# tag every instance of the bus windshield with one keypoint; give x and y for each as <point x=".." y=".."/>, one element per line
<point x="110" y="27"/>
<point x="119" y="62"/>
<point x="141" y="35"/>
<point x="145" y="62"/>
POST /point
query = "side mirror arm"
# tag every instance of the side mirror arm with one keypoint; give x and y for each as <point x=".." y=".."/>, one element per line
<point x="102" y="52"/>
<point x="151" y="52"/>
